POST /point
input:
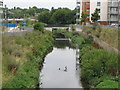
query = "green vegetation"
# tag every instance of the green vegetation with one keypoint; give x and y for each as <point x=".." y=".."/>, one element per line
<point x="84" y="18"/>
<point x="110" y="36"/>
<point x="23" y="58"/>
<point x="108" y="84"/>
<point x="39" y="26"/>
<point x="18" y="12"/>
<point x="58" y="16"/>
<point x="72" y="27"/>
<point x="96" y="63"/>
<point x="99" y="68"/>
<point x="95" y="16"/>
<point x="44" y="17"/>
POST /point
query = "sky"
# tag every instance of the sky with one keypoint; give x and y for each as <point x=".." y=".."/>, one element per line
<point x="40" y="3"/>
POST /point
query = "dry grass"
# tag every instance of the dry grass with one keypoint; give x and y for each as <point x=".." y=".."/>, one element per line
<point x="110" y="36"/>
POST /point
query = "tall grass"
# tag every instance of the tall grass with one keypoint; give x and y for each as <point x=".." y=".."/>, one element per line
<point x="108" y="35"/>
<point x="23" y="58"/>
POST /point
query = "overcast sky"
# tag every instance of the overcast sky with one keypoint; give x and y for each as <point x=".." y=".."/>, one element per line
<point x="41" y="3"/>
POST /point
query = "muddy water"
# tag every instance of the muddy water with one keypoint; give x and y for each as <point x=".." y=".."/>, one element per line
<point x="61" y="69"/>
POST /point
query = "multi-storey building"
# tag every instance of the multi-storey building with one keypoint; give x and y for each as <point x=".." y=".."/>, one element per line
<point x="78" y="11"/>
<point x="108" y="10"/>
<point x="113" y="11"/>
<point x="1" y="11"/>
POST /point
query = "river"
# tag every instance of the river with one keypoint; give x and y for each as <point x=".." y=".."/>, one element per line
<point x="54" y="74"/>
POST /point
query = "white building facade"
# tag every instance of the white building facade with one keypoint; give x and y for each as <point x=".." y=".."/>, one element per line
<point x="108" y="10"/>
<point x="1" y="11"/>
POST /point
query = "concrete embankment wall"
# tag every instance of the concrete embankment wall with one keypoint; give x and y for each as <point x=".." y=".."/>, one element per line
<point x="101" y="43"/>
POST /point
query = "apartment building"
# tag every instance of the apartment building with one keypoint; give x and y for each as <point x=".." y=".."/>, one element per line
<point x="113" y="11"/>
<point x="108" y="10"/>
<point x="1" y="11"/>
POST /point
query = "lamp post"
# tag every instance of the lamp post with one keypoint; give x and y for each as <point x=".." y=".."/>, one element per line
<point x="6" y="16"/>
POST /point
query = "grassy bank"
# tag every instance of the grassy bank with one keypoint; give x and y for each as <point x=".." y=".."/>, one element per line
<point x="108" y="35"/>
<point x="23" y="58"/>
<point x="99" y="68"/>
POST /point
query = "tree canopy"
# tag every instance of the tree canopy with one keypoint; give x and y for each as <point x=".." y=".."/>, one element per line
<point x="95" y="15"/>
<point x="58" y="16"/>
<point x="84" y="17"/>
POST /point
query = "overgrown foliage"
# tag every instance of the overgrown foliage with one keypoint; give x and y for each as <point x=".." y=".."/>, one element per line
<point x="39" y="26"/>
<point x="98" y="65"/>
<point x="58" y="16"/>
<point x="18" y="12"/>
<point x="23" y="58"/>
<point x="108" y="35"/>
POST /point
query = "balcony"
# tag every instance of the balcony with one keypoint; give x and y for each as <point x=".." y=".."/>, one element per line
<point x="113" y="12"/>
<point x="113" y="19"/>
<point x="77" y="14"/>
<point x="78" y="7"/>
<point x="113" y="4"/>
<point x="78" y="1"/>
<point x="1" y="3"/>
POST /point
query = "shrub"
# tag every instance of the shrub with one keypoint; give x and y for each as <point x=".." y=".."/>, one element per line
<point x="39" y="26"/>
<point x="26" y="76"/>
<point x="108" y="84"/>
<point x="72" y="27"/>
<point x="78" y="39"/>
<point x="95" y="63"/>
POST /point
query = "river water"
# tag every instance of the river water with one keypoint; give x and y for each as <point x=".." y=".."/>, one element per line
<point x="54" y="74"/>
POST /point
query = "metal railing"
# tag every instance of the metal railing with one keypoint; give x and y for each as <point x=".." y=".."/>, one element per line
<point x="113" y="12"/>
<point x="115" y="4"/>
<point x="113" y="19"/>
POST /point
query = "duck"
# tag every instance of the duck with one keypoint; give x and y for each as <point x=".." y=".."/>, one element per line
<point x="65" y="68"/>
<point x="59" y="68"/>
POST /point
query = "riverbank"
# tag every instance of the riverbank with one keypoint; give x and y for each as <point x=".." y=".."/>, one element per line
<point x="99" y="68"/>
<point x="23" y="58"/>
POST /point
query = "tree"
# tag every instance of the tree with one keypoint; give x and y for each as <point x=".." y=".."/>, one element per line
<point x="31" y="11"/>
<point x="84" y="17"/>
<point x="95" y="16"/>
<point x="61" y="16"/>
<point x="44" y="17"/>
<point x="39" y="26"/>
<point x="52" y="10"/>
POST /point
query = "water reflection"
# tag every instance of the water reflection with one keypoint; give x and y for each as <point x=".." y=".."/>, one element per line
<point x="54" y="75"/>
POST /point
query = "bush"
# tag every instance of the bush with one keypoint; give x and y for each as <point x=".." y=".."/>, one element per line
<point x="95" y="63"/>
<point x="39" y="26"/>
<point x="78" y="39"/>
<point x="35" y="45"/>
<point x="72" y="27"/>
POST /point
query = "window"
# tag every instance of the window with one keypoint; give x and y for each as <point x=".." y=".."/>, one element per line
<point x="98" y="4"/>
